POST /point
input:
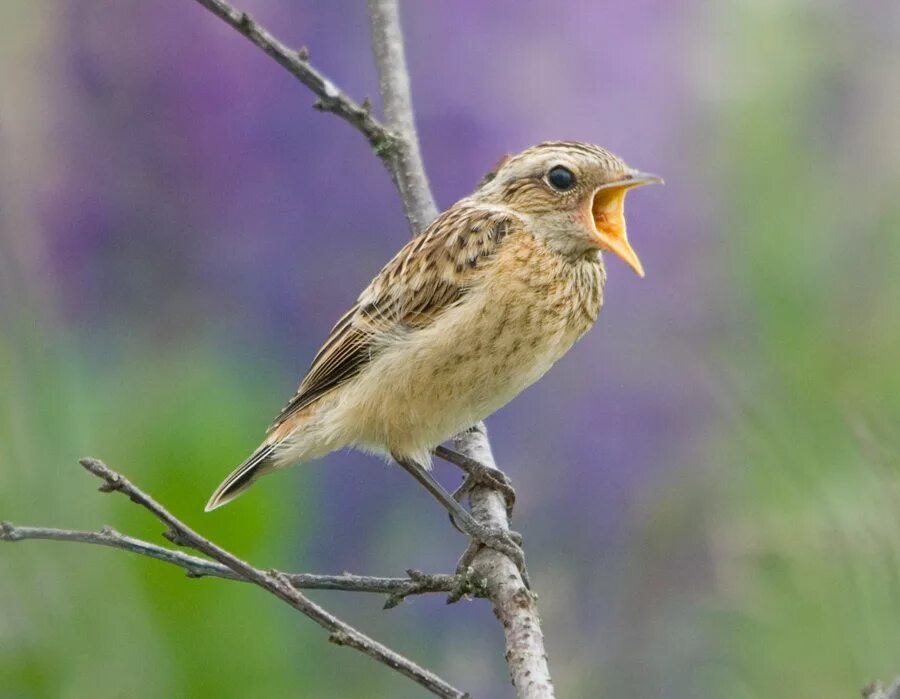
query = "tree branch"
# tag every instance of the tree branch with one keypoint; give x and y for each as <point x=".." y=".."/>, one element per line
<point x="397" y="146"/>
<point x="274" y="582"/>
<point x="393" y="82"/>
<point x="397" y="589"/>
<point x="514" y="605"/>
<point x="331" y="97"/>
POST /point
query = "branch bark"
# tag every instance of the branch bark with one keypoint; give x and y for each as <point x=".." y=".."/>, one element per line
<point x="405" y="160"/>
<point x="514" y="605"/>
<point x="397" y="145"/>
<point x="397" y="589"/>
<point x="330" y="97"/>
<point x="278" y="584"/>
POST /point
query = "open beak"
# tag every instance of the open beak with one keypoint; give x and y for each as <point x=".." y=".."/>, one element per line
<point x="608" y="210"/>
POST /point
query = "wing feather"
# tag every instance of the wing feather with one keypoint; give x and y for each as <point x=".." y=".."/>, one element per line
<point x="430" y="274"/>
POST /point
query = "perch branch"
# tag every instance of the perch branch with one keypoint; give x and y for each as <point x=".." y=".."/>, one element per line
<point x="397" y="589"/>
<point x="514" y="605"/>
<point x="397" y="146"/>
<point x="275" y="582"/>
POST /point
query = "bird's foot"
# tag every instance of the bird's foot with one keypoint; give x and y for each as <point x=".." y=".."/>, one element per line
<point x="479" y="474"/>
<point x="492" y="478"/>
<point x="487" y="477"/>
<point x="504" y="541"/>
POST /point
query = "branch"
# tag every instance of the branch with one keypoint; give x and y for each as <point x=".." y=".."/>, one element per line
<point x="397" y="147"/>
<point x="393" y="83"/>
<point x="395" y="144"/>
<point x="397" y="589"/>
<point x="331" y="97"/>
<point x="514" y="605"/>
<point x="275" y="582"/>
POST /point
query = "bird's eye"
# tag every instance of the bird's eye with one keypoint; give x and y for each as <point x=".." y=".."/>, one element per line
<point x="561" y="178"/>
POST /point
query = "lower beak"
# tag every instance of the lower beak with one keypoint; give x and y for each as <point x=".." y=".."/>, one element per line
<point x="608" y="211"/>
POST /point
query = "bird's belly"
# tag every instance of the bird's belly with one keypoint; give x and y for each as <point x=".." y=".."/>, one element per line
<point x="434" y="382"/>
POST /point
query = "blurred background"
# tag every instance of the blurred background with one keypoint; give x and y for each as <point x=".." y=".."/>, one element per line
<point x="708" y="483"/>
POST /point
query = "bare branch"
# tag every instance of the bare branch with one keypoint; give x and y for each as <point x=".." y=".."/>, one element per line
<point x="514" y="605"/>
<point x="331" y="97"/>
<point x="396" y="144"/>
<point x="393" y="82"/>
<point x="277" y="583"/>
<point x="397" y="589"/>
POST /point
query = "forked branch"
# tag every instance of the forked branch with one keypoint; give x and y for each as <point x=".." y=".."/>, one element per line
<point x="296" y="61"/>
<point x="497" y="576"/>
<point x="277" y="583"/>
<point x="514" y="604"/>
<point x="397" y="589"/>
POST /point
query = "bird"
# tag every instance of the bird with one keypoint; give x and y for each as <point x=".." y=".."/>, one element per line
<point x="463" y="318"/>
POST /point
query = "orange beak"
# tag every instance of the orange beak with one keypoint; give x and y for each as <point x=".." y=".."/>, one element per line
<point x="608" y="211"/>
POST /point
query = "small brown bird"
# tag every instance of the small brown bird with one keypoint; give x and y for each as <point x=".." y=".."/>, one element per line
<point x="464" y="317"/>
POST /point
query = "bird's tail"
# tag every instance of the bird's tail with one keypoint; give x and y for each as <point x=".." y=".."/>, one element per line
<point x="258" y="463"/>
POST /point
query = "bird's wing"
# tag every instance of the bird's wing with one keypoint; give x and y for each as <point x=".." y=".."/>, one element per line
<point x="429" y="275"/>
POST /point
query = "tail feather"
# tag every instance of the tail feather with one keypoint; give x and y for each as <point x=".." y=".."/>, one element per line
<point x="242" y="477"/>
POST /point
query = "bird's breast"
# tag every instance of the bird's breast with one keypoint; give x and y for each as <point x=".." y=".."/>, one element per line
<point x="538" y="303"/>
<point x="502" y="336"/>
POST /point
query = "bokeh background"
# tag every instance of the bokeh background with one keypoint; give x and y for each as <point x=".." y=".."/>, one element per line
<point x="708" y="482"/>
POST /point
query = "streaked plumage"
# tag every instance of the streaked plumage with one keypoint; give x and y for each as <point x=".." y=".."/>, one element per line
<point x="461" y="320"/>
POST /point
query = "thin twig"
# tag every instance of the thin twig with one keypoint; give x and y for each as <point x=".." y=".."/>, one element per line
<point x="277" y="583"/>
<point x="396" y="98"/>
<point x="331" y="97"/>
<point x="397" y="589"/>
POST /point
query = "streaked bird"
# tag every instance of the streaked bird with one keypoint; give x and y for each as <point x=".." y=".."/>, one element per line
<point x="463" y="318"/>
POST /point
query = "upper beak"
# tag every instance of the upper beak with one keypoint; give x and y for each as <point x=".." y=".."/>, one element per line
<point x="608" y="210"/>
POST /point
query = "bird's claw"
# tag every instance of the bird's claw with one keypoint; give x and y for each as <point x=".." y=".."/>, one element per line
<point x="492" y="478"/>
<point x="506" y="542"/>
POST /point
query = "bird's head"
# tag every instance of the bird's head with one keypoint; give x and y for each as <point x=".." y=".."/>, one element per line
<point x="574" y="193"/>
